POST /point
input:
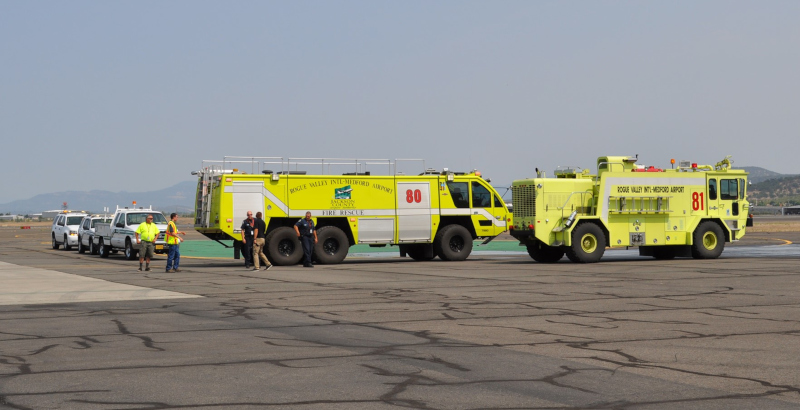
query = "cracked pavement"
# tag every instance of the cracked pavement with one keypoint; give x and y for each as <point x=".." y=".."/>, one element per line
<point x="493" y="332"/>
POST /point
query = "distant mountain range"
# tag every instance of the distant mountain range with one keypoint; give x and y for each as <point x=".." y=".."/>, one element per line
<point x="771" y="188"/>
<point x="783" y="191"/>
<point x="177" y="198"/>
<point x="758" y="174"/>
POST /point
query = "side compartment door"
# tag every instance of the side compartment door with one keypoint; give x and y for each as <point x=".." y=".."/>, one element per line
<point x="247" y="196"/>
<point x="705" y="202"/>
<point x="413" y="212"/>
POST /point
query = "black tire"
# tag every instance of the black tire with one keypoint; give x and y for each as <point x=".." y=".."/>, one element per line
<point x="332" y="245"/>
<point x="708" y="241"/>
<point x="664" y="253"/>
<point x="453" y="243"/>
<point x="81" y="248"/>
<point x="283" y="247"/>
<point x="67" y="246"/>
<point x="54" y="244"/>
<point x="588" y="243"/>
<point x="104" y="250"/>
<point x="92" y="248"/>
<point x="543" y="253"/>
<point x="130" y="253"/>
<point x="418" y="252"/>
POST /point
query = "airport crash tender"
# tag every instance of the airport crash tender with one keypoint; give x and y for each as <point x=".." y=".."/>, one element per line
<point x="688" y="211"/>
<point x="435" y="213"/>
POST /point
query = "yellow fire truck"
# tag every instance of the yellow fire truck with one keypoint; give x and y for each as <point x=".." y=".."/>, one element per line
<point x="434" y="213"/>
<point x="688" y="211"/>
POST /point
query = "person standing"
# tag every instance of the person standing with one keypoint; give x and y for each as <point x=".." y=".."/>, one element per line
<point x="258" y="246"/>
<point x="248" y="229"/>
<point x="174" y="244"/>
<point x="146" y="235"/>
<point x="308" y="236"/>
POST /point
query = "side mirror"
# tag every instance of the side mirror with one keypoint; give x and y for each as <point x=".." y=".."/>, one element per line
<point x="120" y="225"/>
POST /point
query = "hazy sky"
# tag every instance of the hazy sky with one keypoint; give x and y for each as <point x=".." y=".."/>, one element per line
<point x="133" y="96"/>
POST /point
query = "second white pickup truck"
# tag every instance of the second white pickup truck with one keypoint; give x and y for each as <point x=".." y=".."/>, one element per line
<point x="119" y="234"/>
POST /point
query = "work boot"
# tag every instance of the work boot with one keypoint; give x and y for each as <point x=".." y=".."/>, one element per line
<point x="176" y="270"/>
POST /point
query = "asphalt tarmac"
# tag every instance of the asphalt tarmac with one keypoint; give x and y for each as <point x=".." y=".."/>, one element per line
<point x="496" y="331"/>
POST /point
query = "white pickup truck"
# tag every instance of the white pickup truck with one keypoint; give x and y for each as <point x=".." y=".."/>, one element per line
<point x="119" y="234"/>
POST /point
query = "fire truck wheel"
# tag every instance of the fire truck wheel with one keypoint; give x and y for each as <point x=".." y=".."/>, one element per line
<point x="708" y="241"/>
<point x="104" y="249"/>
<point x="453" y="243"/>
<point x="130" y="253"/>
<point x="332" y="245"/>
<point x="283" y="247"/>
<point x="67" y="246"/>
<point x="55" y="244"/>
<point x="419" y="253"/>
<point x="588" y="244"/>
<point x="544" y="254"/>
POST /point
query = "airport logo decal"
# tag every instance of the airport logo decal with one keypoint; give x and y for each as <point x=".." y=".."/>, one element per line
<point x="343" y="192"/>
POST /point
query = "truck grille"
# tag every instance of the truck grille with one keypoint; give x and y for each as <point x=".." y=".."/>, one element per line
<point x="523" y="197"/>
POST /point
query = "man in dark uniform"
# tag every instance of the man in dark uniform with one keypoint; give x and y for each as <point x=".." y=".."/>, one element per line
<point x="308" y="236"/>
<point x="258" y="246"/>
<point x="248" y="228"/>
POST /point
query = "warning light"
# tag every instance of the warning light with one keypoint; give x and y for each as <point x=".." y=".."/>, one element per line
<point x="672" y="161"/>
<point x="477" y="173"/>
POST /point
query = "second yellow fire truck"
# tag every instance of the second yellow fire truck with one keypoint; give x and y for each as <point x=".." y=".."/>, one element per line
<point x="691" y="210"/>
<point x="433" y="213"/>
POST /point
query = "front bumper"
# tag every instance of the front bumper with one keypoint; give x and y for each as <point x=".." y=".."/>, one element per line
<point x="522" y="234"/>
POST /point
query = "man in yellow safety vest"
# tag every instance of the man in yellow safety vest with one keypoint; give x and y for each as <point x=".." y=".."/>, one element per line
<point x="174" y="243"/>
<point x="146" y="235"/>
